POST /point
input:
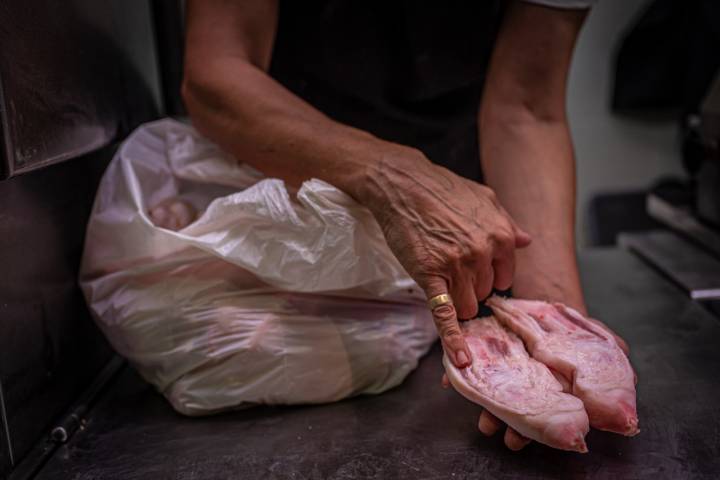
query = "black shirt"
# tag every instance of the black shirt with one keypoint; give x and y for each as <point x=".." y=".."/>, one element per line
<point x="407" y="71"/>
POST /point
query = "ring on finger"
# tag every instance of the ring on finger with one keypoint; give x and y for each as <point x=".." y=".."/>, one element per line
<point x="439" y="300"/>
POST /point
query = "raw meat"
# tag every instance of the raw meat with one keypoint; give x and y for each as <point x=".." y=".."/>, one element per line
<point x="172" y="213"/>
<point x="517" y="389"/>
<point x="583" y="353"/>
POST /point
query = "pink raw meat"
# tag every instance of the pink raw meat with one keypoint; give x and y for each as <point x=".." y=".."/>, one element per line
<point x="585" y="355"/>
<point x="517" y="389"/>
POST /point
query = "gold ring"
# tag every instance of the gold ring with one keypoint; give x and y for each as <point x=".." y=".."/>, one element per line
<point x="439" y="300"/>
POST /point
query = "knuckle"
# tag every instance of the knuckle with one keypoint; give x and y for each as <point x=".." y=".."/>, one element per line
<point x="504" y="237"/>
<point x="446" y="325"/>
<point x="480" y="246"/>
<point x="454" y="258"/>
<point x="489" y="193"/>
<point x="481" y="252"/>
<point x="444" y="314"/>
<point x="451" y="333"/>
<point x="452" y="343"/>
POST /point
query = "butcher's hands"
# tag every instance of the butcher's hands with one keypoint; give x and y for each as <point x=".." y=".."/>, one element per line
<point x="489" y="424"/>
<point x="450" y="234"/>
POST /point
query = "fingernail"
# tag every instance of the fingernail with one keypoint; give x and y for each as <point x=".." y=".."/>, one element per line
<point x="462" y="358"/>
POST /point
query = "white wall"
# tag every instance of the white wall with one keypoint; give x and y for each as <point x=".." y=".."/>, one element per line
<point x="613" y="152"/>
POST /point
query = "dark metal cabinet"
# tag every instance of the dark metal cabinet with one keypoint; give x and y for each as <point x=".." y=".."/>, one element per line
<point x="6" y="459"/>
<point x="75" y="78"/>
<point x="49" y="347"/>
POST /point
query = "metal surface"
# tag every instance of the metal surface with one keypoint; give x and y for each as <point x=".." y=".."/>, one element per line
<point x="683" y="221"/>
<point x="708" y="191"/>
<point x="708" y="175"/>
<point x="420" y="431"/>
<point x="168" y="22"/>
<point x="68" y="425"/>
<point x="6" y="453"/>
<point x="73" y="78"/>
<point x="694" y="270"/>
<point x="50" y="349"/>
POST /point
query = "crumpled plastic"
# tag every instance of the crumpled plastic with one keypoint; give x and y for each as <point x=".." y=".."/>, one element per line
<point x="271" y="296"/>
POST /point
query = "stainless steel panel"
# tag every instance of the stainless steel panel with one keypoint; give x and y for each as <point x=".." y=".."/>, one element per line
<point x="684" y="221"/>
<point x="693" y="269"/>
<point x="50" y="349"/>
<point x="6" y="453"/>
<point x="74" y="76"/>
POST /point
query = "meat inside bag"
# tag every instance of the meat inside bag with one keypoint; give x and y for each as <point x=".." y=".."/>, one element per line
<point x="257" y="295"/>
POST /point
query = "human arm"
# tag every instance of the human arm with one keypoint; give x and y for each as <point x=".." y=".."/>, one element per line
<point x="450" y="234"/>
<point x="526" y="149"/>
<point x="527" y="155"/>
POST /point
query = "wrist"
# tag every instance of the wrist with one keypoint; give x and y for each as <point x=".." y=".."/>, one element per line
<point x="377" y="180"/>
<point x="538" y="286"/>
<point x="354" y="163"/>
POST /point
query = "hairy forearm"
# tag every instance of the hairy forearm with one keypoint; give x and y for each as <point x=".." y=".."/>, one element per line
<point x="264" y="125"/>
<point x="529" y="162"/>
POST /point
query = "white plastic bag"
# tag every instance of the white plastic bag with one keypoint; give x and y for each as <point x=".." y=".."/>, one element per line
<point x="268" y="297"/>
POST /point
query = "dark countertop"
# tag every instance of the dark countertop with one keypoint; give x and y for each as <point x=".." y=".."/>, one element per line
<point x="419" y="430"/>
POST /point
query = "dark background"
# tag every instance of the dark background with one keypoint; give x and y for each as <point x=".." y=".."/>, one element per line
<point x="76" y="77"/>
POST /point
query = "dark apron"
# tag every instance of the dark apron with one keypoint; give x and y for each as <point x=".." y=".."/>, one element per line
<point x="407" y="71"/>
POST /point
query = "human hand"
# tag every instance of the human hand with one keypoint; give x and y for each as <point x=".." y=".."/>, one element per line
<point x="450" y="234"/>
<point x="489" y="424"/>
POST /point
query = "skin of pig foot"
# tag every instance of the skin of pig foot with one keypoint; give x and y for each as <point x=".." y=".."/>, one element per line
<point x="566" y="435"/>
<point x="613" y="411"/>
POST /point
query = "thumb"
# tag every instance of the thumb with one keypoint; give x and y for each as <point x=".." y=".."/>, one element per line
<point x="522" y="238"/>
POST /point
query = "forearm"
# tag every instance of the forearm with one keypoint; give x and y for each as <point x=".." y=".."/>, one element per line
<point x="525" y="145"/>
<point x="261" y="123"/>
<point x="448" y="233"/>
<point x="529" y="163"/>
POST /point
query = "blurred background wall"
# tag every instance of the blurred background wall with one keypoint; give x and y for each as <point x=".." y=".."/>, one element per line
<point x="614" y="153"/>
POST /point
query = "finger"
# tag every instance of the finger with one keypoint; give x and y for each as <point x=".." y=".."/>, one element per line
<point x="447" y="325"/>
<point x="445" y="382"/>
<point x="522" y="238"/>
<point x="463" y="295"/>
<point x="514" y="441"/>
<point x="503" y="271"/>
<point x="484" y="279"/>
<point x="489" y="424"/>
